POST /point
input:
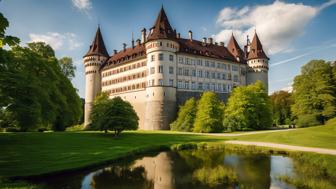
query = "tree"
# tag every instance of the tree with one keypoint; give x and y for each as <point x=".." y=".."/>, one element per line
<point x="113" y="114"/>
<point x="248" y="108"/>
<point x="209" y="114"/>
<point x="67" y="67"/>
<point x="186" y="116"/>
<point x="314" y="93"/>
<point x="281" y="106"/>
<point x="6" y="39"/>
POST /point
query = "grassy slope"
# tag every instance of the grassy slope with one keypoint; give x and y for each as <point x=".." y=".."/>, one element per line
<point x="37" y="153"/>
<point x="320" y="136"/>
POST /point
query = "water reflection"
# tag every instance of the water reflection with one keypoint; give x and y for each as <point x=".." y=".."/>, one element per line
<point x="194" y="169"/>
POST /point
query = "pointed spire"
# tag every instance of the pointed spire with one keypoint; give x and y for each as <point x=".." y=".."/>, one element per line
<point x="162" y="28"/>
<point x="256" y="49"/>
<point x="235" y="49"/>
<point x="97" y="47"/>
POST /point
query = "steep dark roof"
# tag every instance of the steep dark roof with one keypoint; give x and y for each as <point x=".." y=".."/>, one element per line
<point x="256" y="49"/>
<point x="235" y="49"/>
<point x="205" y="49"/>
<point x="161" y="28"/>
<point x="97" y="47"/>
<point x="126" y="55"/>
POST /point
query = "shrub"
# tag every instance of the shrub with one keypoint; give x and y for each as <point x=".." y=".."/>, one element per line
<point x="307" y="120"/>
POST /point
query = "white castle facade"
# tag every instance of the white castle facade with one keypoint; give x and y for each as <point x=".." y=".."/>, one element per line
<point x="162" y="70"/>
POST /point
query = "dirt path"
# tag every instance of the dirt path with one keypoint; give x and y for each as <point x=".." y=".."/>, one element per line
<point x="285" y="146"/>
<point x="239" y="134"/>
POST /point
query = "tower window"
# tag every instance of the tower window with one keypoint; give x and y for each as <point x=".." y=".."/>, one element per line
<point x="171" y="70"/>
<point x="171" y="82"/>
<point x="160" y="56"/>
<point x="160" y="82"/>
<point x="161" y="69"/>
<point x="171" y="58"/>
<point x="152" y="70"/>
<point x="152" y="58"/>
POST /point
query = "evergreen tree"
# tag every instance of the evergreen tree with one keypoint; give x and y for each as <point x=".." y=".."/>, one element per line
<point x="314" y="93"/>
<point x="186" y="116"/>
<point x="248" y="108"/>
<point x="209" y="115"/>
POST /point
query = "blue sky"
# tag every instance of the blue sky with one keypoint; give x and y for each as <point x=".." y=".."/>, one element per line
<point x="293" y="32"/>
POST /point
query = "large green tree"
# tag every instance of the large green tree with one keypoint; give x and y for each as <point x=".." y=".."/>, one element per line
<point x="248" y="108"/>
<point x="281" y="106"/>
<point x="314" y="93"/>
<point x="209" y="115"/>
<point x="186" y="116"/>
<point x="113" y="114"/>
<point x="67" y="67"/>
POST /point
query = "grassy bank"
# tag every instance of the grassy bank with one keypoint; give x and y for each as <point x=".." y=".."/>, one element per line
<point x="26" y="154"/>
<point x="319" y="136"/>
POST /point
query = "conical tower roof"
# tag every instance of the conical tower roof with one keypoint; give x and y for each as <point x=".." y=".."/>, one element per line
<point x="256" y="49"/>
<point x="162" y="28"/>
<point x="97" y="47"/>
<point x="235" y="49"/>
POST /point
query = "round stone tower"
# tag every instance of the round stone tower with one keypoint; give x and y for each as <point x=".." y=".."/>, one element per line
<point x="161" y="47"/>
<point x="93" y="60"/>
<point x="257" y="62"/>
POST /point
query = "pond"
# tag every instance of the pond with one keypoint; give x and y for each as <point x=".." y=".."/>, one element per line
<point x="184" y="169"/>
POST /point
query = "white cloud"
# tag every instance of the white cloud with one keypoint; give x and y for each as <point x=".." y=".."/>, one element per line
<point x="277" y="24"/>
<point x="56" y="40"/>
<point x="83" y="5"/>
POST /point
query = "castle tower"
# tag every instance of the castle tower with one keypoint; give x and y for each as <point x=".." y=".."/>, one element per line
<point x="161" y="47"/>
<point x="257" y="62"/>
<point x="234" y="48"/>
<point x="93" y="60"/>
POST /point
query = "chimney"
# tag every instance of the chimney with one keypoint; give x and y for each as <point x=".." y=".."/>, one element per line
<point x="204" y="40"/>
<point x="143" y="35"/>
<point x="190" y="35"/>
<point x="133" y="43"/>
<point x="221" y="44"/>
<point x="178" y="36"/>
<point x="138" y="42"/>
<point x="115" y="51"/>
<point x="124" y="45"/>
<point x="210" y="41"/>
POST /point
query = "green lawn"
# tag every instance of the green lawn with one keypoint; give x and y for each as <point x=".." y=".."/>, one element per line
<point x="319" y="136"/>
<point x="37" y="153"/>
<point x="24" y="154"/>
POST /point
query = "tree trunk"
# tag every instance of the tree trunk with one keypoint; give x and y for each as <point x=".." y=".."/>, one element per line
<point x="105" y="131"/>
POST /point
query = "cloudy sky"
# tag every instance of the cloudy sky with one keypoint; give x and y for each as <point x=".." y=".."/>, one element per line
<point x="292" y="32"/>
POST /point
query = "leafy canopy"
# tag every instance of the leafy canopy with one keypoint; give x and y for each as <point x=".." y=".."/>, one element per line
<point x="113" y="114"/>
<point x="186" y="116"/>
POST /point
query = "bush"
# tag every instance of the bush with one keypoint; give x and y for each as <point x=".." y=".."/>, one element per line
<point x="12" y="129"/>
<point x="186" y="116"/>
<point x="331" y="121"/>
<point x="307" y="120"/>
<point x="75" y="128"/>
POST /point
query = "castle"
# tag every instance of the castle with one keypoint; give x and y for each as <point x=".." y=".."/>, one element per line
<point x="162" y="70"/>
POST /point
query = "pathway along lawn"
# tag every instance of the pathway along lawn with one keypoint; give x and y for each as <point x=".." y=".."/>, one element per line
<point x="318" y="137"/>
<point x="25" y="154"/>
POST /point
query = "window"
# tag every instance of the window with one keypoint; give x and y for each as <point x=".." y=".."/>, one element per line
<point x="160" y="56"/>
<point x="207" y="63"/>
<point x="180" y="71"/>
<point x="235" y="78"/>
<point x="152" y="58"/>
<point x="192" y="61"/>
<point x="161" y="69"/>
<point x="224" y="88"/>
<point x="152" y="70"/>
<point x="160" y="82"/>
<point x="200" y="86"/>
<point x="234" y="68"/>
<point x="224" y="66"/>
<point x="179" y="84"/>
<point x="193" y="85"/>
<point x="152" y="82"/>
<point x="171" y="70"/>
<point x="193" y="73"/>
<point x="186" y="72"/>
<point x="213" y="64"/>
<point x="229" y="67"/>
<point x="171" y="58"/>
<point x="218" y="75"/>
<point x="186" y="85"/>
<point x="199" y="62"/>
<point x="200" y="73"/>
<point x="171" y="82"/>
<point x="219" y="87"/>
<point x="218" y="65"/>
<point x="206" y="86"/>
<point x="207" y="74"/>
<point x="213" y="75"/>
<point x="187" y="61"/>
<point x="181" y="60"/>
<point x="229" y="76"/>
<point x="212" y="86"/>
<point x="224" y="76"/>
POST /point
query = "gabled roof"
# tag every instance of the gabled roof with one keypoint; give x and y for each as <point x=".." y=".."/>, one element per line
<point x="235" y="49"/>
<point x="256" y="49"/>
<point x="97" y="47"/>
<point x="161" y="29"/>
